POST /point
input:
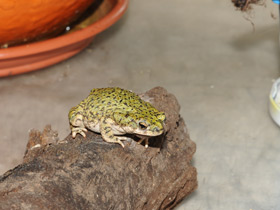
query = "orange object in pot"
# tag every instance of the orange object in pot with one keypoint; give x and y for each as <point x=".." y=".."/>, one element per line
<point x="27" y="20"/>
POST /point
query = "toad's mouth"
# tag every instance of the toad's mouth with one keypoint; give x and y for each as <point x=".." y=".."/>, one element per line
<point x="146" y="133"/>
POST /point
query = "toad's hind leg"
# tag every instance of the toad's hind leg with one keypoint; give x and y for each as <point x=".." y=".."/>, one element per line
<point x="76" y="122"/>
<point x="107" y="132"/>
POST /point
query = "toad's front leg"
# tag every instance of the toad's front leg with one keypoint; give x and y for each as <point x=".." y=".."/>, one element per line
<point x="146" y="139"/>
<point x="107" y="132"/>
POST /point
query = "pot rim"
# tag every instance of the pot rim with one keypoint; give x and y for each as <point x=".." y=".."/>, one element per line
<point x="67" y="39"/>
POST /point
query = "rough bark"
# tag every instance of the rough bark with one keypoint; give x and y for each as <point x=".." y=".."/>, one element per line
<point x="92" y="174"/>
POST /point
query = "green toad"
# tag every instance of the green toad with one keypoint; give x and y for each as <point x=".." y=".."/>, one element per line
<point x="113" y="112"/>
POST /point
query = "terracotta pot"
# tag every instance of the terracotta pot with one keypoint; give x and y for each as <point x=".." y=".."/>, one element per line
<point x="30" y="57"/>
<point x="26" y="20"/>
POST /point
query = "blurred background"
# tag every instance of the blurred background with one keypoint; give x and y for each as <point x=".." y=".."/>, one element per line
<point x="217" y="63"/>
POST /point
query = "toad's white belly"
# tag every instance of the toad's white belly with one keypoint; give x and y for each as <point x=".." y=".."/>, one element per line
<point x="117" y="130"/>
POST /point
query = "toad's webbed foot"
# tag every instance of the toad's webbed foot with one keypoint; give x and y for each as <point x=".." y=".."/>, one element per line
<point x="78" y="130"/>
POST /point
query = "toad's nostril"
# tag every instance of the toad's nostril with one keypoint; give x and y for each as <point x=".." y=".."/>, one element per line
<point x="157" y="129"/>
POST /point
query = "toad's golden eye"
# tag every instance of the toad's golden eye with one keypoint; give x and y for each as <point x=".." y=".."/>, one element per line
<point x="143" y="125"/>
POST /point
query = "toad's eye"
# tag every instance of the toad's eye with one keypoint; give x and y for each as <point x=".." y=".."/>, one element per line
<point x="143" y="125"/>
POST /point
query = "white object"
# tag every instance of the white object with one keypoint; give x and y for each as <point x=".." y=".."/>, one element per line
<point x="274" y="101"/>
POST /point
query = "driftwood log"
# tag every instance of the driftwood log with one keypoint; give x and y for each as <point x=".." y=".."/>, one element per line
<point x="88" y="173"/>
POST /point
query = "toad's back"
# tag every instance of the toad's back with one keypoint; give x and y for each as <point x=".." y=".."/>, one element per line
<point x="106" y="100"/>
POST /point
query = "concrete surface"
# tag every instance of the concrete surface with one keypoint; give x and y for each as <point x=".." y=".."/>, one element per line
<point x="209" y="56"/>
